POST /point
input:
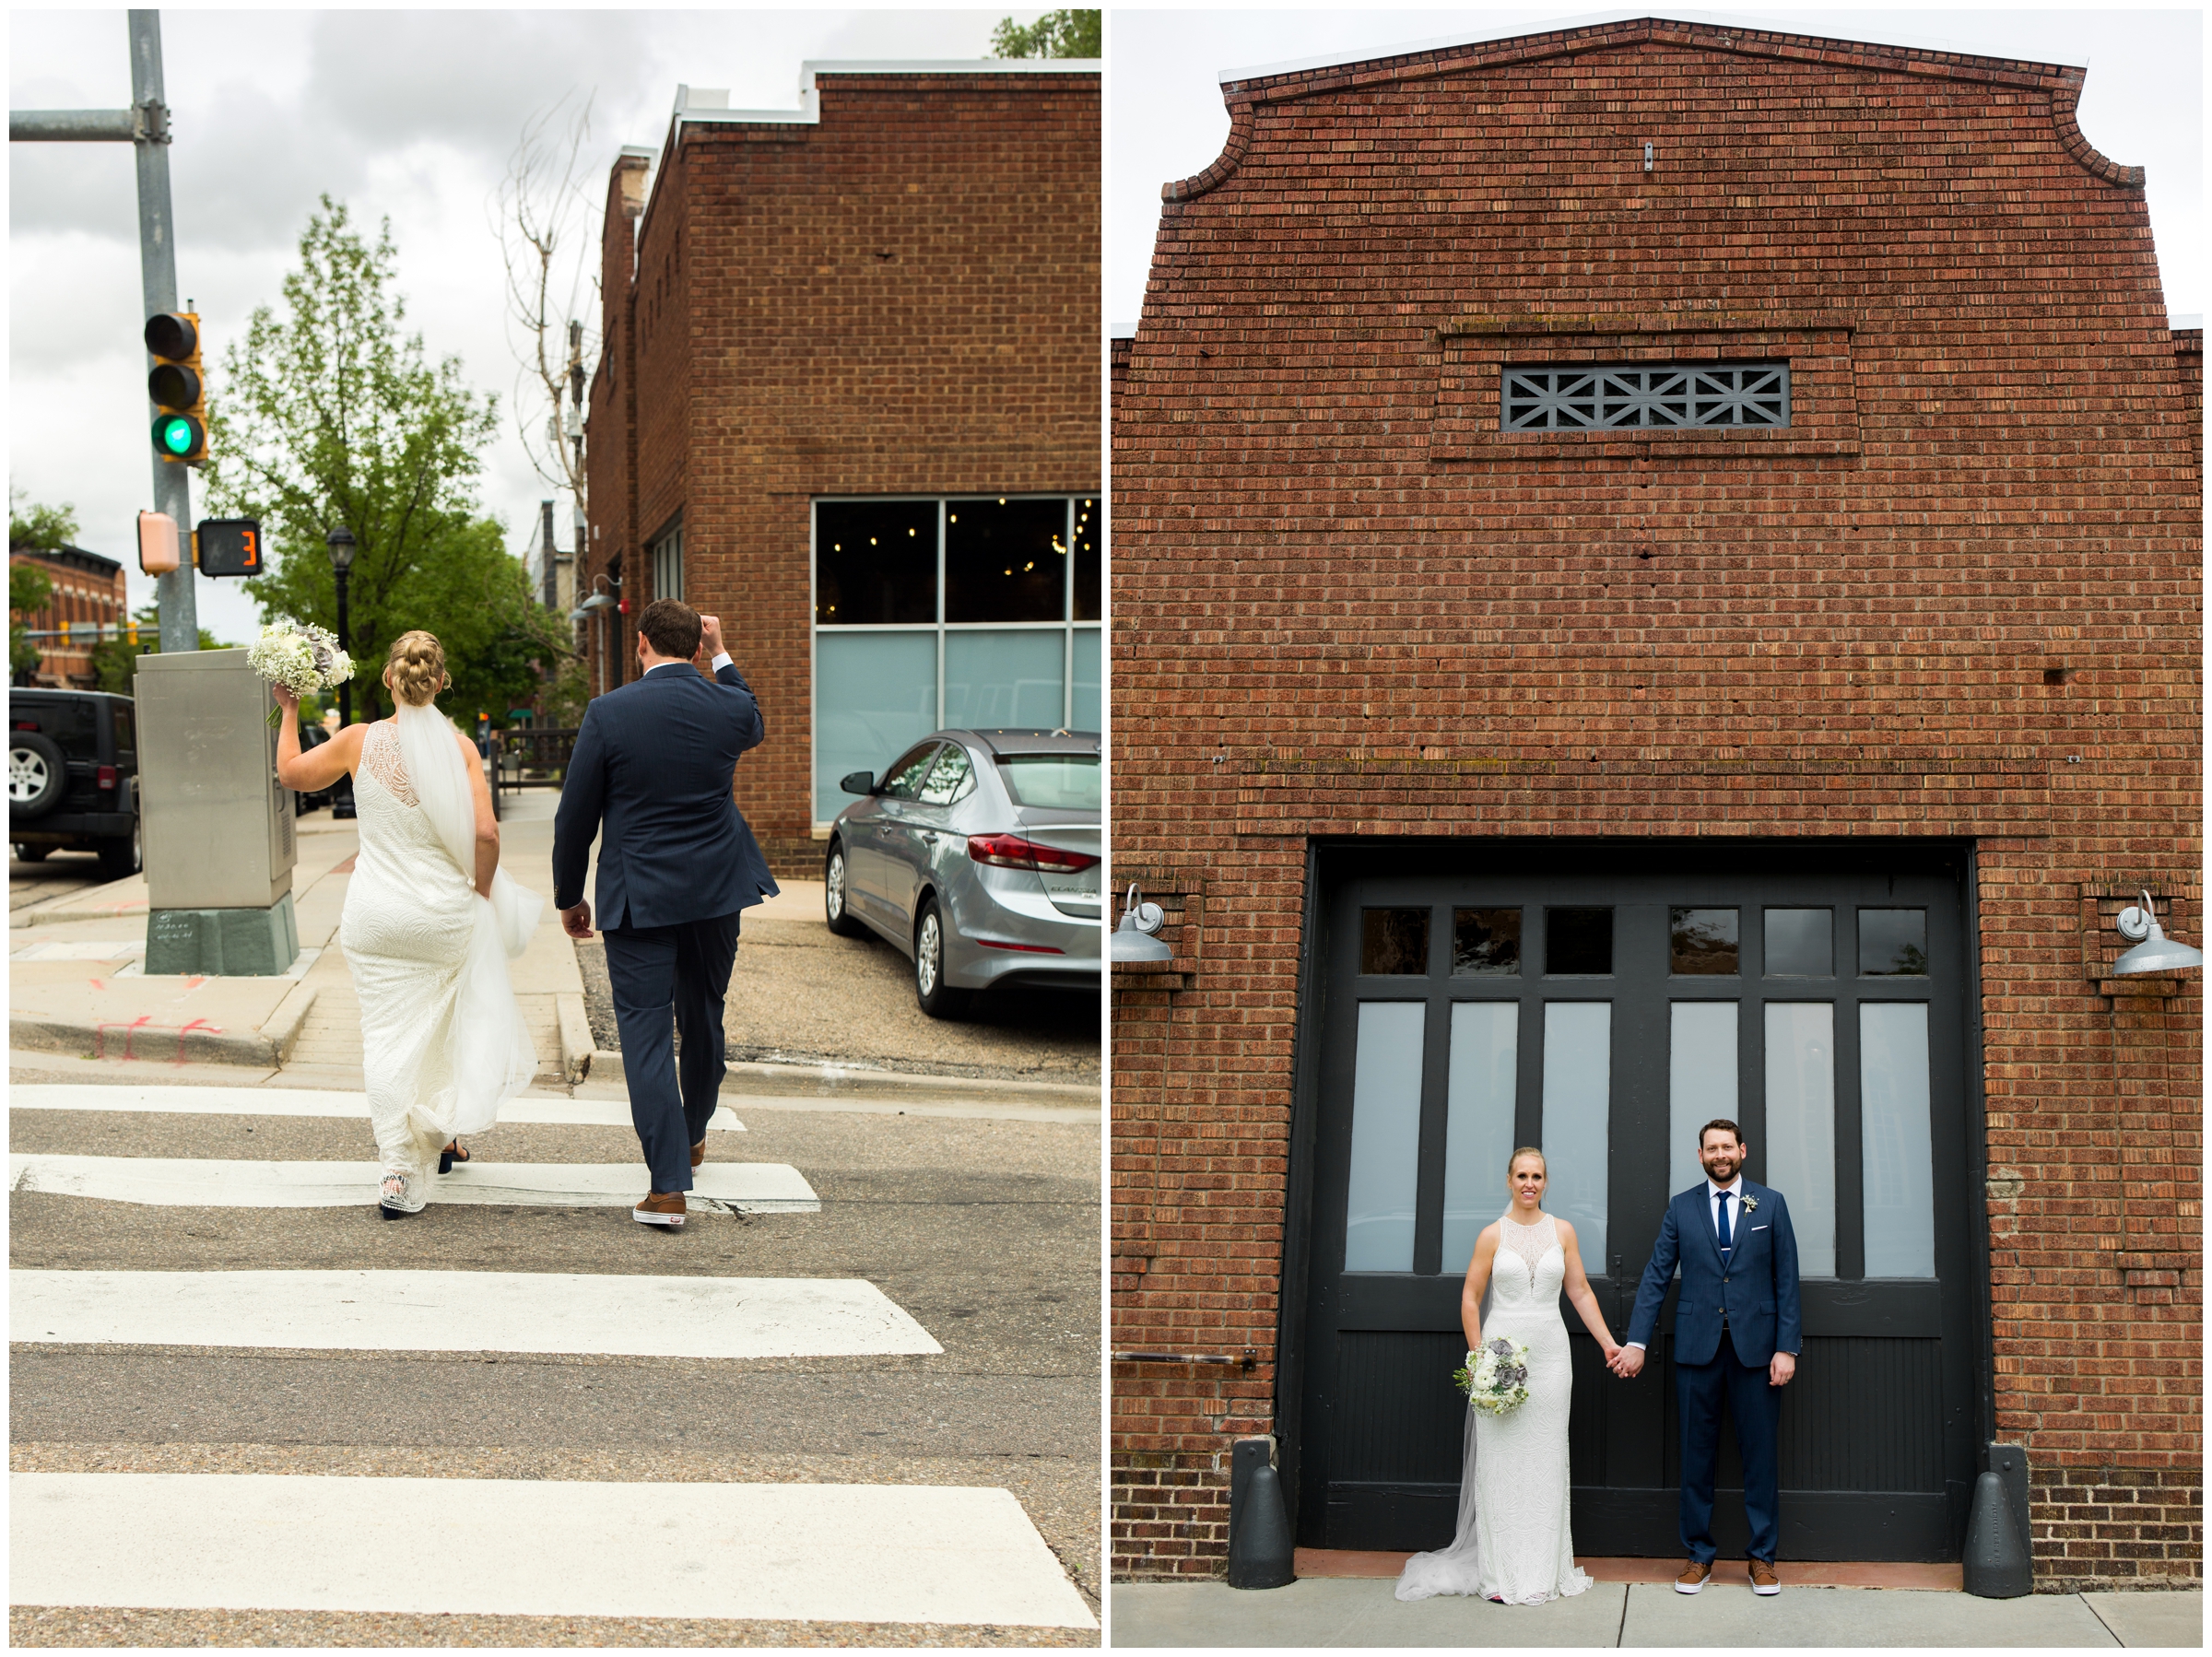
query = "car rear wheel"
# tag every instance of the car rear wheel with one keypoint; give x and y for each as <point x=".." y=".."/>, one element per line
<point x="124" y="855"/>
<point x="32" y="854"/>
<point x="834" y="908"/>
<point x="37" y="776"/>
<point x="938" y="999"/>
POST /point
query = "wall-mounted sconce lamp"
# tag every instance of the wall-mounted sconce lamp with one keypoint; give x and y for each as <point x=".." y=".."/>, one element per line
<point x="1137" y="938"/>
<point x="2153" y="951"/>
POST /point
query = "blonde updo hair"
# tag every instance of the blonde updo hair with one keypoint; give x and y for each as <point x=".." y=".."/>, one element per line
<point x="415" y="668"/>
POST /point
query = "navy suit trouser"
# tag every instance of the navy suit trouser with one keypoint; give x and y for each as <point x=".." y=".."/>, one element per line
<point x="671" y="982"/>
<point x="1700" y="1391"/>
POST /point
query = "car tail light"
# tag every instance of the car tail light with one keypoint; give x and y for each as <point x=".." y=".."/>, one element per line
<point x="107" y="776"/>
<point x="26" y="724"/>
<point x="1012" y="851"/>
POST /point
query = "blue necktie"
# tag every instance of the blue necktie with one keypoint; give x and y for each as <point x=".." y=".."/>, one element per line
<point x="1726" y="1235"/>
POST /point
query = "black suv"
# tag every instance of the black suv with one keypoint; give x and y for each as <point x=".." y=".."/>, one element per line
<point x="73" y="776"/>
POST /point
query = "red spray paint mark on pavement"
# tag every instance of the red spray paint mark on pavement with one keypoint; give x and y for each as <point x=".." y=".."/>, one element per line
<point x="99" y="1035"/>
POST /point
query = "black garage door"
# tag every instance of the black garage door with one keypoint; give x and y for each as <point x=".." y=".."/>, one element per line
<point x="1602" y="1001"/>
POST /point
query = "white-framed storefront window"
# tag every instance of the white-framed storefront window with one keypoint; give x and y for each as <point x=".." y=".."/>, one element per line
<point x="967" y="611"/>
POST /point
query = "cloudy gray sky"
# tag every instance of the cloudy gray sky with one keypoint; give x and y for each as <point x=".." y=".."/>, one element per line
<point x="407" y="114"/>
<point x="2143" y="102"/>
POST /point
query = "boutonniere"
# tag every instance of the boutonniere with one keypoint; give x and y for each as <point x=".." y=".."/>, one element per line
<point x="1750" y="1205"/>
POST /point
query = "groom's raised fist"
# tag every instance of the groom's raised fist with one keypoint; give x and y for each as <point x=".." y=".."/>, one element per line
<point x="710" y="637"/>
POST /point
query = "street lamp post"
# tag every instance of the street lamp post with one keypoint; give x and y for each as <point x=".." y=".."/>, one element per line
<point x="341" y="543"/>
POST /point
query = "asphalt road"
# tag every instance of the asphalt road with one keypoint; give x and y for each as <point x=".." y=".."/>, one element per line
<point x="984" y="1230"/>
<point x="58" y="874"/>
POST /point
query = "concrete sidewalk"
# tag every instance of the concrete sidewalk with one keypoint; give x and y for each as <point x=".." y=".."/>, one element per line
<point x="1337" y="1611"/>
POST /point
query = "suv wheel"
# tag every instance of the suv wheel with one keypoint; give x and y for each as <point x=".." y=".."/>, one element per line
<point x="32" y="854"/>
<point x="835" y="909"/>
<point x="124" y="855"/>
<point x="37" y="776"/>
<point x="938" y="999"/>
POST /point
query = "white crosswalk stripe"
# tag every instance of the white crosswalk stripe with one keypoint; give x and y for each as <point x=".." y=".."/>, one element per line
<point x="207" y="1182"/>
<point x="869" y="1553"/>
<point x="529" y="1109"/>
<point x="892" y="1553"/>
<point x="465" y="1311"/>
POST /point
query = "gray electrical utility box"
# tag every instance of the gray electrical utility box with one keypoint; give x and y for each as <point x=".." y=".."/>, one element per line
<point x="219" y="838"/>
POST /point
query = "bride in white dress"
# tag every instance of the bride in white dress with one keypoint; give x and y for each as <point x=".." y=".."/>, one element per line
<point x="1513" y="1544"/>
<point x="429" y="924"/>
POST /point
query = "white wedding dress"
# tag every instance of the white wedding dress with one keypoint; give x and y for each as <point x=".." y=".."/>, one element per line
<point x="1512" y="1542"/>
<point x="442" y="1041"/>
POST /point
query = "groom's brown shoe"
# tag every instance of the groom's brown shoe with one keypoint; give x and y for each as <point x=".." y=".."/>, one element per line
<point x="698" y="1153"/>
<point x="662" y="1208"/>
<point x="1763" y="1579"/>
<point x="1692" y="1577"/>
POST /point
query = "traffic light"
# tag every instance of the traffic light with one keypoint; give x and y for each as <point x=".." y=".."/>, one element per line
<point x="228" y="546"/>
<point x="157" y="543"/>
<point x="177" y="387"/>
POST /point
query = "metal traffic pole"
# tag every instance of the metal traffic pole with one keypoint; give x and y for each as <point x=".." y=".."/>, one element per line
<point x="144" y="126"/>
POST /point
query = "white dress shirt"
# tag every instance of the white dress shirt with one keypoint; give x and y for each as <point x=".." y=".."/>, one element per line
<point x="721" y="662"/>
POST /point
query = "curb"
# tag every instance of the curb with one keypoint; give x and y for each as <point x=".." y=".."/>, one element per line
<point x="142" y="1038"/>
<point x="289" y="1018"/>
<point x="838" y="1081"/>
<point x="576" y="1054"/>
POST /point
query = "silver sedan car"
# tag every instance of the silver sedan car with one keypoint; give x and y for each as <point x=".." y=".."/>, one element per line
<point x="977" y="853"/>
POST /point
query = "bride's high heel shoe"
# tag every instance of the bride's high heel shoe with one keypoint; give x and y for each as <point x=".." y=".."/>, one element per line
<point x="455" y="1152"/>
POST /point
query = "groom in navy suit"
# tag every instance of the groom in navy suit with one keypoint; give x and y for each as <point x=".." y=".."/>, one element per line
<point x="1737" y="1333"/>
<point x="650" y="776"/>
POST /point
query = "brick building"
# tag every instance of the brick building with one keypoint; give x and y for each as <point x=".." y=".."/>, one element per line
<point x="1656" y="577"/>
<point x="848" y="399"/>
<point x="88" y="604"/>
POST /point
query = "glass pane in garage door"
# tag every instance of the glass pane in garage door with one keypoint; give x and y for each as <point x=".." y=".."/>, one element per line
<point x="1894" y="1116"/>
<point x="1479" y="1130"/>
<point x="1801" y="1125"/>
<point x="1700" y="1083"/>
<point x="1578" y="1081"/>
<point x="1386" y="1136"/>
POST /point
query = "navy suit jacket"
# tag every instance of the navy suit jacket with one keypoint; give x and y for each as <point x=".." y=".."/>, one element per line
<point x="1758" y="1287"/>
<point x="650" y="776"/>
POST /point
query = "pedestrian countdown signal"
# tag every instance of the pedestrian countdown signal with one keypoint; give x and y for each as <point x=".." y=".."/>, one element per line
<point x="177" y="387"/>
<point x="229" y="547"/>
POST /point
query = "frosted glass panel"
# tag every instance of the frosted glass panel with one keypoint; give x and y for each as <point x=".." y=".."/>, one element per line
<point x="1086" y="714"/>
<point x="1479" y="1134"/>
<point x="1578" y="1078"/>
<point x="1893" y="1117"/>
<point x="874" y="694"/>
<point x="1801" y="1125"/>
<point x="1386" y="1136"/>
<point x="1005" y="680"/>
<point x="1700" y="1083"/>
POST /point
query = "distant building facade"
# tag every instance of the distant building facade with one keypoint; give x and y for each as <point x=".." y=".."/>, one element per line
<point x="90" y="602"/>
<point x="848" y="399"/>
<point x="1656" y="577"/>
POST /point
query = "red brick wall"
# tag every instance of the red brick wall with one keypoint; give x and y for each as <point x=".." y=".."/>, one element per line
<point x="1958" y="597"/>
<point x="901" y="299"/>
<point x="79" y="595"/>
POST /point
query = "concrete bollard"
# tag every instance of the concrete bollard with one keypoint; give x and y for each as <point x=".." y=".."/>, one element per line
<point x="1997" y="1566"/>
<point x="1260" y="1547"/>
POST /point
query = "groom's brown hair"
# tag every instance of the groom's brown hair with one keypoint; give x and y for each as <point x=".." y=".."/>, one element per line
<point x="671" y="626"/>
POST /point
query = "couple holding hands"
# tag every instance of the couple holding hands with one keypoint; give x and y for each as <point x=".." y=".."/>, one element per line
<point x="1737" y="1337"/>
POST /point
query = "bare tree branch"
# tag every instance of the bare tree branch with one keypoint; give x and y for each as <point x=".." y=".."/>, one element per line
<point x="546" y="222"/>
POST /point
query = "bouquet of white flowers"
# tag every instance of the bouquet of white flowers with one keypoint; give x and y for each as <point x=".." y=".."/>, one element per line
<point x="301" y="657"/>
<point x="1496" y="1377"/>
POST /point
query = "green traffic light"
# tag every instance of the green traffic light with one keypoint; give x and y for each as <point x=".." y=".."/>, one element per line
<point x="178" y="436"/>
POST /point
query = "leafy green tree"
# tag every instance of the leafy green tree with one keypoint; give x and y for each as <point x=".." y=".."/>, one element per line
<point x="31" y="528"/>
<point x="329" y="416"/>
<point x="1057" y="34"/>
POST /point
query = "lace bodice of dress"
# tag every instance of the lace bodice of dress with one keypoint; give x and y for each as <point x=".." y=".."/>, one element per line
<point x="399" y="848"/>
<point x="1530" y="1266"/>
